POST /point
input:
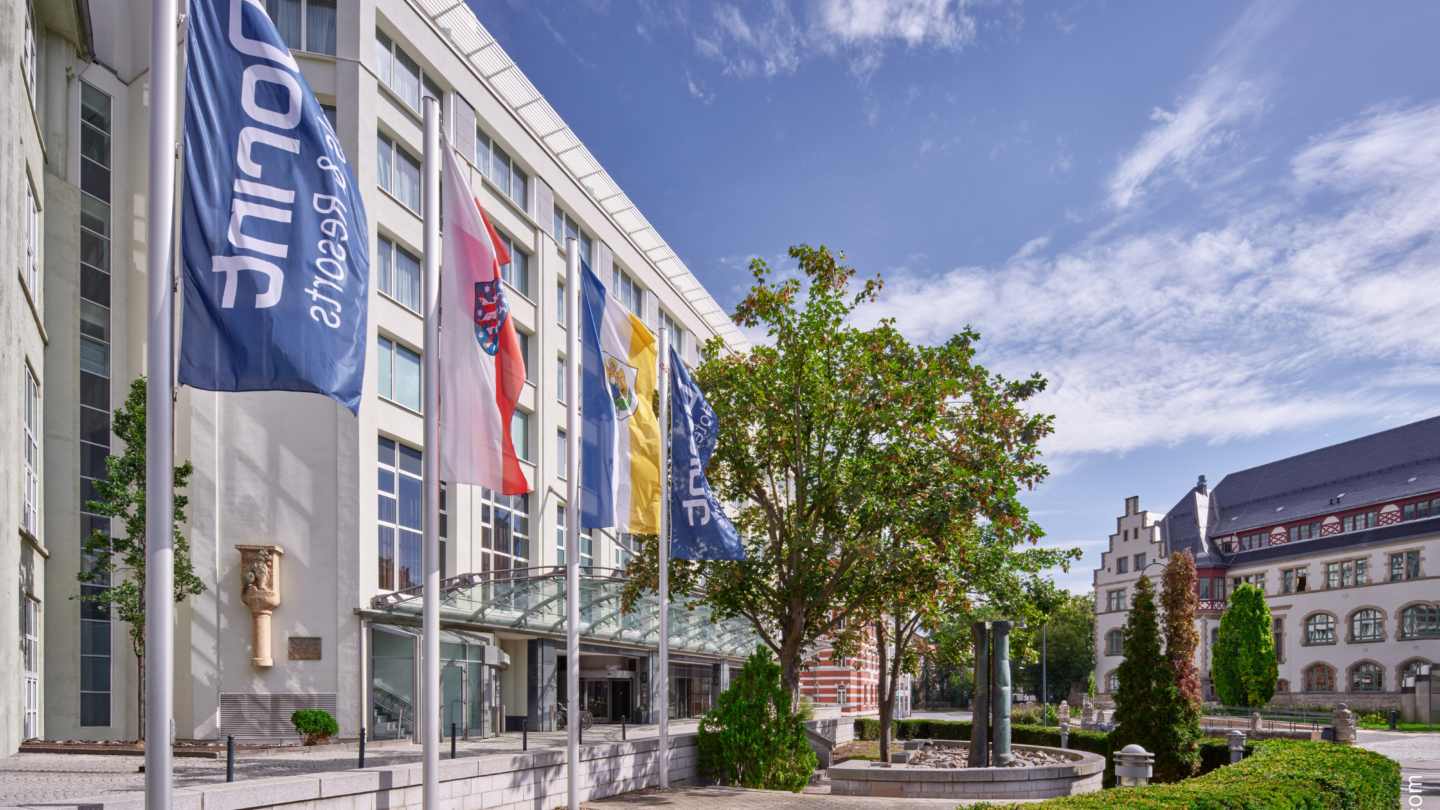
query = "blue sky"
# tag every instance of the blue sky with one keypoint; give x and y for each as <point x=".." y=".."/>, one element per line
<point x="1212" y="226"/>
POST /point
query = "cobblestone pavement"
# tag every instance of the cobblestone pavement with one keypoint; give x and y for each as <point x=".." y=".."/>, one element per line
<point x="1410" y="749"/>
<point x="710" y="798"/>
<point x="31" y="778"/>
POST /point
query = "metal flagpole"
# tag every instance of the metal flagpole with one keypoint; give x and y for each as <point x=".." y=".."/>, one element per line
<point x="160" y="414"/>
<point x="573" y="285"/>
<point x="662" y="701"/>
<point x="1044" y="676"/>
<point x="428" y="723"/>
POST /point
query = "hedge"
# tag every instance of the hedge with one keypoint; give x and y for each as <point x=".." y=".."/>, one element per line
<point x="1279" y="775"/>
<point x="1213" y="753"/>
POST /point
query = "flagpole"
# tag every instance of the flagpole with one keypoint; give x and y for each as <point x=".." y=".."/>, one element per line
<point x="573" y="325"/>
<point x="663" y="554"/>
<point x="160" y="414"/>
<point x="428" y="724"/>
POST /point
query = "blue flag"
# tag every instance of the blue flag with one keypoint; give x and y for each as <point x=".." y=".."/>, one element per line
<point x="699" y="529"/>
<point x="273" y="233"/>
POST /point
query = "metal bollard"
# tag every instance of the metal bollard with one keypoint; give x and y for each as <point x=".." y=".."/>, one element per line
<point x="1064" y="736"/>
<point x="1237" y="745"/>
<point x="230" y="757"/>
<point x="362" y="746"/>
<point x="524" y="734"/>
<point x="1392" y="719"/>
<point x="452" y="740"/>
<point x="623" y="718"/>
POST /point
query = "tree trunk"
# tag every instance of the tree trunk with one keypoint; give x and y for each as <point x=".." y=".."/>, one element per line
<point x="885" y="701"/>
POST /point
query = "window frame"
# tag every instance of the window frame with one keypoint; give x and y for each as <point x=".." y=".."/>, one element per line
<point x="397" y="469"/>
<point x="1313" y="684"/>
<point x="1372" y="620"/>
<point x="1424" y="617"/>
<point x="519" y="256"/>
<point x="1319" y="629"/>
<point x="30" y="436"/>
<point x="398" y="152"/>
<point x="520" y="438"/>
<point x="1359" y="671"/>
<point x="517" y="179"/>
<point x="1115" y="642"/>
<point x="31" y="272"/>
<point x="305" y="28"/>
<point x="425" y="84"/>
<point x="386" y="283"/>
<point x="395" y="347"/>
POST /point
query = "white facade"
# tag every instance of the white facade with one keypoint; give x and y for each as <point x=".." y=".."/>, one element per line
<point x="298" y="471"/>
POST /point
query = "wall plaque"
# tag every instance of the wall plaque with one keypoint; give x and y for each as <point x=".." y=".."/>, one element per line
<point x="304" y="649"/>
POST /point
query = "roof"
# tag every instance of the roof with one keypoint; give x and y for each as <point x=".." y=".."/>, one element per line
<point x="500" y="72"/>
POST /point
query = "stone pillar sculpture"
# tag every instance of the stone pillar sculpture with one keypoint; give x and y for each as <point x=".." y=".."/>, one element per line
<point x="1000" y="693"/>
<point x="1087" y="716"/>
<point x="1064" y="712"/>
<point x="260" y="591"/>
<point x="980" y="707"/>
<point x="1344" y="721"/>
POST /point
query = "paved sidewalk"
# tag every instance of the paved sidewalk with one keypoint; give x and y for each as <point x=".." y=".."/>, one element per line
<point x="33" y="778"/>
<point x="711" y="798"/>
<point x="1411" y="749"/>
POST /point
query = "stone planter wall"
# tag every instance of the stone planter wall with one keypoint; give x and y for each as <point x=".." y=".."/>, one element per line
<point x="1084" y="774"/>
<point x="503" y="782"/>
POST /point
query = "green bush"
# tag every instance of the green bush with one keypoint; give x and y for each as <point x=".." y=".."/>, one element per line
<point x="315" y="725"/>
<point x="1280" y="775"/>
<point x="753" y="738"/>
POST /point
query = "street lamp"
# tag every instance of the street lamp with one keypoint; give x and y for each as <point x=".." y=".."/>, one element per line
<point x="1237" y="745"/>
<point x="1133" y="766"/>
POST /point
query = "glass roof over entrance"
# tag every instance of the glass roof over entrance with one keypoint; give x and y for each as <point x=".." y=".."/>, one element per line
<point x="533" y="600"/>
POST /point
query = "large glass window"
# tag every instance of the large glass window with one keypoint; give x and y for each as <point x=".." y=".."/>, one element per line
<point x="1421" y="510"/>
<point x="1294" y="580"/>
<point x="1405" y="565"/>
<point x="401" y="516"/>
<point x="1308" y="531"/>
<point x="31" y="518"/>
<point x="304" y="25"/>
<point x="397" y="70"/>
<point x="1115" y="642"/>
<point x="1420" y="621"/>
<point x="398" y="172"/>
<point x="677" y="332"/>
<point x="393" y="667"/>
<point x="520" y="434"/>
<point x="567" y="227"/>
<point x="1320" y="678"/>
<point x="1367" y="677"/>
<point x="95" y="182"/>
<point x="504" y="172"/>
<point x="625" y="288"/>
<point x="517" y="272"/>
<point x="1366" y="625"/>
<point x="399" y="373"/>
<point x="1320" y="629"/>
<point x="504" y="531"/>
<point x="1364" y="520"/>
<point x="1115" y="600"/>
<point x="397" y="273"/>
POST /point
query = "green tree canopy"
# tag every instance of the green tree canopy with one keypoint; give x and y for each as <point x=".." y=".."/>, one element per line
<point x="1243" y="664"/>
<point x="1070" y="643"/>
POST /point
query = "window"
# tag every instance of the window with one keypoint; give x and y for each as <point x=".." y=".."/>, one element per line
<point x="1115" y="600"/>
<point x="396" y="69"/>
<point x="517" y="272"/>
<point x="30" y="519"/>
<point x="32" y="243"/>
<point x="562" y="459"/>
<point x="1112" y="683"/>
<point x="401" y="516"/>
<point x="1115" y="642"/>
<point x="398" y="273"/>
<point x="399" y="373"/>
<point x="1125" y="534"/>
<point x="840" y="693"/>
<point x="624" y="550"/>
<point x="398" y="172"/>
<point x="560" y="534"/>
<point x="1294" y="580"/>
<point x="1405" y="565"/>
<point x="27" y="59"/>
<point x="444" y="514"/>
<point x="1367" y="677"/>
<point x="30" y="661"/>
<point x="1420" y="621"/>
<point x="1258" y="580"/>
<point x="1422" y="510"/>
<point x="1122" y="565"/>
<point x="1345" y="574"/>
<point x="625" y="289"/>
<point x="1254" y="541"/>
<point x="1364" y="520"/>
<point x="520" y="434"/>
<point x="1320" y="629"/>
<point x="504" y="532"/>
<point x="311" y="22"/>
<point x="505" y="173"/>
<point x="1305" y="532"/>
<point x="1332" y="575"/>
<point x="1139" y="563"/>
<point x="524" y="340"/>
<point x="560" y="379"/>
<point x="95" y="181"/>
<point x="560" y="304"/>
<point x="1320" y="678"/>
<point x="1277" y="635"/>
<point x="675" y="331"/>
<point x="1410" y="669"/>
<point x="565" y="227"/>
<point x="1366" y="625"/>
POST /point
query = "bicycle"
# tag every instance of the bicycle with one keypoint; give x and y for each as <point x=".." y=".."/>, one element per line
<point x="563" y="718"/>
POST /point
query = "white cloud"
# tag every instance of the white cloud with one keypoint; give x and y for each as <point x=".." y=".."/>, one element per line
<point x="1205" y="121"/>
<point x="943" y="23"/>
<point x="698" y="90"/>
<point x="1311" y="305"/>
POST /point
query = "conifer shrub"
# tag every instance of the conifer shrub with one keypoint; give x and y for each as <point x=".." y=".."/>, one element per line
<point x="1245" y="668"/>
<point x="1148" y="706"/>
<point x="754" y="738"/>
<point x="315" y="725"/>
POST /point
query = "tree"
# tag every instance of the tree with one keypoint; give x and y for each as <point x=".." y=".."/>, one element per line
<point x="1243" y="663"/>
<point x="753" y="738"/>
<point x="1178" y="598"/>
<point x="1069" y="644"/>
<point x="1148" y="707"/>
<point x="863" y="466"/>
<point x="113" y="576"/>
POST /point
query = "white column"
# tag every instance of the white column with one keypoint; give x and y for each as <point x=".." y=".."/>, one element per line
<point x="573" y="325"/>
<point x="160" y="414"/>
<point x="427" y="724"/>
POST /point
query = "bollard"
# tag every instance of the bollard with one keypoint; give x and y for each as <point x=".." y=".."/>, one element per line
<point x="623" y="718"/>
<point x="1065" y="736"/>
<point x="452" y="740"/>
<point x="524" y="734"/>
<point x="362" y="746"/>
<point x="1237" y="745"/>
<point x="230" y="757"/>
<point x="1392" y="719"/>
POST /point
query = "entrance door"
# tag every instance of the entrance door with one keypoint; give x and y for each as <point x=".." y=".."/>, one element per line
<point x="475" y="698"/>
<point x="452" y="698"/>
<point x="32" y="668"/>
<point x="620" y="705"/>
<point x="597" y="698"/>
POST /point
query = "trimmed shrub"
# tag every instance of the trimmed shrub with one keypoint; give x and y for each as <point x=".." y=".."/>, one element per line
<point x="1245" y="667"/>
<point x="753" y="738"/>
<point x="1280" y="775"/>
<point x="315" y="725"/>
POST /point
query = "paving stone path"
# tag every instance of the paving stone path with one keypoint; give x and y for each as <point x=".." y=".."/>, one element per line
<point x="711" y="798"/>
